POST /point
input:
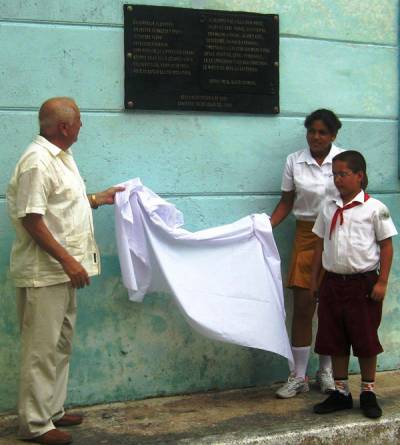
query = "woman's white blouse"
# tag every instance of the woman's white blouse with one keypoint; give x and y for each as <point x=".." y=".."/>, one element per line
<point x="311" y="182"/>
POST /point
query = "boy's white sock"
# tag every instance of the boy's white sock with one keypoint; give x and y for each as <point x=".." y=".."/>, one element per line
<point x="367" y="386"/>
<point x="300" y="356"/>
<point x="342" y="385"/>
<point x="325" y="362"/>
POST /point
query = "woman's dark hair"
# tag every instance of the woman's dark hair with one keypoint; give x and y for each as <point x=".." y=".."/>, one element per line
<point x="356" y="163"/>
<point x="328" y="117"/>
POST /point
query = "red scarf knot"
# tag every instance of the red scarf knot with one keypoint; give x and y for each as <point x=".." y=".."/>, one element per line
<point x="340" y="210"/>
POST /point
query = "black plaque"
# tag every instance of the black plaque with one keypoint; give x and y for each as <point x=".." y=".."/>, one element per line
<point x="204" y="60"/>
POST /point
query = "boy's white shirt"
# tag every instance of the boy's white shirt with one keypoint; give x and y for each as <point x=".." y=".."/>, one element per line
<point x="353" y="247"/>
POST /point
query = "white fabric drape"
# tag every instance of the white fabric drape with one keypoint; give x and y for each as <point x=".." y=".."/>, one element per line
<point x="226" y="280"/>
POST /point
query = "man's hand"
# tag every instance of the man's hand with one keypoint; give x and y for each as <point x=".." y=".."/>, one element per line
<point x="379" y="291"/>
<point x="108" y="196"/>
<point x="76" y="272"/>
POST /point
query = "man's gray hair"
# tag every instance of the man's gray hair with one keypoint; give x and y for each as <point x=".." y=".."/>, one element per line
<point x="56" y="110"/>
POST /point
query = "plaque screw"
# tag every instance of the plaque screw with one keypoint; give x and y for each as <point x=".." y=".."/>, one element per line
<point x="130" y="104"/>
<point x="129" y="55"/>
<point x="276" y="63"/>
<point x="129" y="8"/>
<point x="276" y="17"/>
<point x="276" y="109"/>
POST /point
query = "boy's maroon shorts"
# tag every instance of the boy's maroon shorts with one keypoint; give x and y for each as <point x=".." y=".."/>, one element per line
<point x="347" y="316"/>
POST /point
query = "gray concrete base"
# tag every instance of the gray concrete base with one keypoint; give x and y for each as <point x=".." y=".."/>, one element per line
<point x="247" y="416"/>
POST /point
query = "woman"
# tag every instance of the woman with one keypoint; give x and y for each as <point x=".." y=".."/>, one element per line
<point x="307" y="180"/>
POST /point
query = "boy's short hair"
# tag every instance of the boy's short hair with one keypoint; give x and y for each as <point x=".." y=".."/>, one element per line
<point x="356" y="163"/>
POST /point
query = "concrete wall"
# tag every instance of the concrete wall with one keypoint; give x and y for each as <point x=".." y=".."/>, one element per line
<point x="340" y="54"/>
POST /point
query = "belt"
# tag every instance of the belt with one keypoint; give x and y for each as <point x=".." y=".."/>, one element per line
<point x="352" y="276"/>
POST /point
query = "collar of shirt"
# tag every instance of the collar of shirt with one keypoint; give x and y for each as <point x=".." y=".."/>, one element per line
<point x="360" y="197"/>
<point x="306" y="156"/>
<point x="51" y="148"/>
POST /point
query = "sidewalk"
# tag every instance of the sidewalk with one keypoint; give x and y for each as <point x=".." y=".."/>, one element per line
<point x="247" y="416"/>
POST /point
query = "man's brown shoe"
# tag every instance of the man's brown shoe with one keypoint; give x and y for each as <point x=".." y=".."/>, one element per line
<point x="53" y="437"/>
<point x="69" y="420"/>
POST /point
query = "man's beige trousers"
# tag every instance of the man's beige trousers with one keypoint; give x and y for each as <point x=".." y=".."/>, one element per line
<point x="47" y="318"/>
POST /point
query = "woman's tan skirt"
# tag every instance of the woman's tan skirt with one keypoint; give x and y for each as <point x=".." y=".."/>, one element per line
<point x="299" y="274"/>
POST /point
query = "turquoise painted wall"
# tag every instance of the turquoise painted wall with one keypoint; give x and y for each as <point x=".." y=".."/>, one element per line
<point x="340" y="54"/>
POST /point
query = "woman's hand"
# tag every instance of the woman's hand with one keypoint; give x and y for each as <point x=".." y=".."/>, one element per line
<point x="283" y="208"/>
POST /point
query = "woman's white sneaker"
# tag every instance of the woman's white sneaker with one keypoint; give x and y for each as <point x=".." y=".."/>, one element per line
<point x="325" y="380"/>
<point x="292" y="387"/>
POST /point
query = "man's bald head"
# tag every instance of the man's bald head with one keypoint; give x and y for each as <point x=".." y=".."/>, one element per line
<point x="55" y="111"/>
<point x="60" y="121"/>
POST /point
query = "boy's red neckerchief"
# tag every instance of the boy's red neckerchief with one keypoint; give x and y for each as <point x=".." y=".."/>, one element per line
<point x="340" y="210"/>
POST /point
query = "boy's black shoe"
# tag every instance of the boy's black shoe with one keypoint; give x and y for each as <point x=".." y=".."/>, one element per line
<point x="369" y="405"/>
<point x="335" y="402"/>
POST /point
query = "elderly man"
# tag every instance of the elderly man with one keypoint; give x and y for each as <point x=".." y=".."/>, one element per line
<point x="54" y="254"/>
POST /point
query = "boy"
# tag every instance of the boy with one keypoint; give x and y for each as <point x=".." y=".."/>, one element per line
<point x="355" y="249"/>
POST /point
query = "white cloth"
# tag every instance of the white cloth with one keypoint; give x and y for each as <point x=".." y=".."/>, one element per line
<point x="46" y="181"/>
<point x="311" y="182"/>
<point x="226" y="280"/>
<point x="354" y="246"/>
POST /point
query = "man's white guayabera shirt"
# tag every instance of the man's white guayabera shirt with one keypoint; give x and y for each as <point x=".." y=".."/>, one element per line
<point x="46" y="181"/>
<point x="226" y="280"/>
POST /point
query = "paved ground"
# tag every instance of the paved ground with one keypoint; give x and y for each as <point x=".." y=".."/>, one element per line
<point x="248" y="416"/>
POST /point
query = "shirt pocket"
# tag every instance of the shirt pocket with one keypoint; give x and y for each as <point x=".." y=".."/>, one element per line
<point x="84" y="249"/>
<point x="76" y="246"/>
<point x="361" y="233"/>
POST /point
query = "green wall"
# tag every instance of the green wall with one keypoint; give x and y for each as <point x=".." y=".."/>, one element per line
<point x="340" y="54"/>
